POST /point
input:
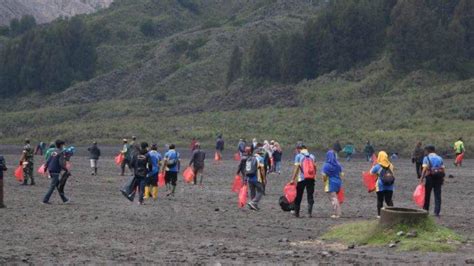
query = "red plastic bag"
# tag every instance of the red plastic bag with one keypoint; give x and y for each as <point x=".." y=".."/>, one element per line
<point x="19" y="174"/>
<point x="340" y="195"/>
<point x="290" y="192"/>
<point x="188" y="175"/>
<point x="68" y="166"/>
<point x="42" y="170"/>
<point x="119" y="159"/>
<point x="237" y="185"/>
<point x="419" y="195"/>
<point x="369" y="180"/>
<point x="459" y="158"/>
<point x="237" y="156"/>
<point x="161" y="179"/>
<point x="217" y="156"/>
<point x="243" y="194"/>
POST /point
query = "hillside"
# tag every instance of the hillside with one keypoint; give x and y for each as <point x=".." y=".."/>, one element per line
<point x="161" y="74"/>
<point x="47" y="10"/>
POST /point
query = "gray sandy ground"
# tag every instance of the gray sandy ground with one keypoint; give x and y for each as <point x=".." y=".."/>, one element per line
<point x="204" y="225"/>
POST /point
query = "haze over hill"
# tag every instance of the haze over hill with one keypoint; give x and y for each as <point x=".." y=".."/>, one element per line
<point x="47" y="10"/>
<point x="173" y="70"/>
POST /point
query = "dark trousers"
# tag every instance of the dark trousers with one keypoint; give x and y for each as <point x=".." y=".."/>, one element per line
<point x="419" y="169"/>
<point x="54" y="185"/>
<point x="140" y="184"/>
<point x="125" y="162"/>
<point x="435" y="185"/>
<point x="384" y="196"/>
<point x="300" y="187"/>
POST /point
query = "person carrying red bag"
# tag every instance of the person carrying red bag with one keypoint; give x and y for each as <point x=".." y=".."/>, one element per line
<point x="197" y="163"/>
<point x="304" y="174"/>
<point x="433" y="176"/>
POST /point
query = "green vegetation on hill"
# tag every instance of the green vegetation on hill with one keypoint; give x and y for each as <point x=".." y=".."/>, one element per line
<point x="172" y="70"/>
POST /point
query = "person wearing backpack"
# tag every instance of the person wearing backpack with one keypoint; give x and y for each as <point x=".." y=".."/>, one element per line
<point x="332" y="172"/>
<point x="197" y="162"/>
<point x="304" y="173"/>
<point x="243" y="160"/>
<point x="3" y="168"/>
<point x="171" y="168"/>
<point x="385" y="180"/>
<point x="151" y="182"/>
<point x="55" y="165"/>
<point x="433" y="177"/>
<point x="142" y="165"/>
<point x="255" y="177"/>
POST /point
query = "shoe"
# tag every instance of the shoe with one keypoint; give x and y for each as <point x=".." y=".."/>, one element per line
<point x="296" y="214"/>
<point x="252" y="206"/>
<point x="67" y="201"/>
<point x="46" y="203"/>
<point x="125" y="194"/>
<point x="335" y="216"/>
<point x="92" y="174"/>
<point x="32" y="184"/>
<point x="2" y="206"/>
<point x="378" y="216"/>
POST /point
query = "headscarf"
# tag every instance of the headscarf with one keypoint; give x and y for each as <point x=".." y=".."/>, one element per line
<point x="383" y="160"/>
<point x="331" y="166"/>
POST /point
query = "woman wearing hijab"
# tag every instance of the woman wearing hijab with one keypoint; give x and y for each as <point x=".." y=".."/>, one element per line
<point x="332" y="172"/>
<point x="384" y="184"/>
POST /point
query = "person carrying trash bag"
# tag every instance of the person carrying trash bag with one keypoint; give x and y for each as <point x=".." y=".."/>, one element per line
<point x="171" y="168"/>
<point x="385" y="180"/>
<point x="458" y="150"/>
<point x="27" y="159"/>
<point x="433" y="176"/>
<point x="127" y="154"/>
<point x="332" y="172"/>
<point x="304" y="174"/>
<point x="151" y="182"/>
<point x="55" y="165"/>
<point x="197" y="163"/>
<point x="3" y="168"/>
<point x="219" y="146"/>
<point x="141" y="165"/>
<point x="255" y="177"/>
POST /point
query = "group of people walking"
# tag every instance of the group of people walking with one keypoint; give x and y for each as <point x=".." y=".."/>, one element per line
<point x="257" y="161"/>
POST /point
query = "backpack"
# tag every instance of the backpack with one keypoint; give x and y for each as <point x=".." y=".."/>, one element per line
<point x="308" y="168"/>
<point x="285" y="205"/>
<point x="251" y="166"/>
<point x="141" y="165"/>
<point x="387" y="176"/>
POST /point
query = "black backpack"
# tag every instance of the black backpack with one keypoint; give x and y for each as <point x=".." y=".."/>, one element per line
<point x="285" y="205"/>
<point x="251" y="166"/>
<point x="387" y="176"/>
<point x="141" y="165"/>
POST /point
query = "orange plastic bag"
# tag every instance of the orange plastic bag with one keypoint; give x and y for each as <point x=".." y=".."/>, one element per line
<point x="243" y="194"/>
<point x="119" y="159"/>
<point x="42" y="170"/>
<point x="188" y="175"/>
<point x="290" y="192"/>
<point x="340" y="195"/>
<point x="237" y="185"/>
<point x="369" y="180"/>
<point x="217" y="156"/>
<point x="459" y="158"/>
<point x="237" y="156"/>
<point x="19" y="174"/>
<point x="161" y="179"/>
<point x="419" y="195"/>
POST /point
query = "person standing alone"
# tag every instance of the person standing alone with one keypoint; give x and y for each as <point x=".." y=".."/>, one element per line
<point x="94" y="155"/>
